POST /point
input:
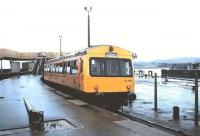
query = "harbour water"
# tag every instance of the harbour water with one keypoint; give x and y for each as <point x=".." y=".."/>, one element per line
<point x="174" y="92"/>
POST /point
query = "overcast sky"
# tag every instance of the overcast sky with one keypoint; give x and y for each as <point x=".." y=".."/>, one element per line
<point x="154" y="29"/>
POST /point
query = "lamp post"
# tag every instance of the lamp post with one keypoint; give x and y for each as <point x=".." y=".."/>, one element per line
<point x="60" y="37"/>
<point x="88" y="10"/>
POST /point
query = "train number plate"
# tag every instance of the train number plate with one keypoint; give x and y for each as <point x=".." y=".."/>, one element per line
<point x="111" y="54"/>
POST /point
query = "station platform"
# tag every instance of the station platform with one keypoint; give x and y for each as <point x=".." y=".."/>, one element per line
<point x="72" y="116"/>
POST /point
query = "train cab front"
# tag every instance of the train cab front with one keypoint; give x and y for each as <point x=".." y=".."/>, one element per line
<point x="111" y="79"/>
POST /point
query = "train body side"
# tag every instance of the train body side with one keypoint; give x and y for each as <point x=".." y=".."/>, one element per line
<point x="74" y="81"/>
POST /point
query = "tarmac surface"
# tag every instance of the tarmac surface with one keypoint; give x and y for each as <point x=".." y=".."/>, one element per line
<point x="74" y="116"/>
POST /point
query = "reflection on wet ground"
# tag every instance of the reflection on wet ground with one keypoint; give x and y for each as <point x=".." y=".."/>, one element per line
<point x="76" y="117"/>
<point x="172" y="93"/>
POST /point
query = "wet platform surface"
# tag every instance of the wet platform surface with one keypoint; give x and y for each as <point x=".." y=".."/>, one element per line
<point x="89" y="120"/>
<point x="172" y="93"/>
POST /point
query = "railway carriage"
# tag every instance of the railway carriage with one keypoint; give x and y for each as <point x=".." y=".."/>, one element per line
<point x="104" y="72"/>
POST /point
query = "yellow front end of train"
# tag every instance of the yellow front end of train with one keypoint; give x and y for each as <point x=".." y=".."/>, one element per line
<point x="108" y="69"/>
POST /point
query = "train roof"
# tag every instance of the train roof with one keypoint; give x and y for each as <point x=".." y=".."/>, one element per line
<point x="80" y="52"/>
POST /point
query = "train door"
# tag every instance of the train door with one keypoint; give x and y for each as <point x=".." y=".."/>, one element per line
<point x="74" y="73"/>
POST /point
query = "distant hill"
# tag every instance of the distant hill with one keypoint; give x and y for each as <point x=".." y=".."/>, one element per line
<point x="165" y="62"/>
<point x="179" y="60"/>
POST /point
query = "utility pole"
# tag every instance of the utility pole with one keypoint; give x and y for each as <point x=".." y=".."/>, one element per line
<point x="88" y="10"/>
<point x="155" y="93"/>
<point x="196" y="114"/>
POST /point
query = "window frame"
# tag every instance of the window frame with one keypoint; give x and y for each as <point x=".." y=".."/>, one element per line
<point x="105" y="68"/>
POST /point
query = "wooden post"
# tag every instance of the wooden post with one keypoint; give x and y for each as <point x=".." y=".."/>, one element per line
<point x="155" y="93"/>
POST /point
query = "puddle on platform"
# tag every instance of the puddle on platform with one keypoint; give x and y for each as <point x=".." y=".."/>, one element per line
<point x="59" y="125"/>
<point x="54" y="125"/>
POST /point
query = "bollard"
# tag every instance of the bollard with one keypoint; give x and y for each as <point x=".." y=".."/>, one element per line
<point x="139" y="73"/>
<point x="155" y="93"/>
<point x="166" y="79"/>
<point x="151" y="73"/>
<point x="196" y="101"/>
<point x="176" y="112"/>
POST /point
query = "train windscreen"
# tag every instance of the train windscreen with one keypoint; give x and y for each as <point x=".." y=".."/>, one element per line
<point x="111" y="67"/>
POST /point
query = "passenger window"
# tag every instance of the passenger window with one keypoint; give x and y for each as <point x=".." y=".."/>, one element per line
<point x="59" y="68"/>
<point x="67" y="67"/>
<point x="70" y="67"/>
<point x="51" y="68"/>
<point x="74" y="69"/>
<point x="68" y="70"/>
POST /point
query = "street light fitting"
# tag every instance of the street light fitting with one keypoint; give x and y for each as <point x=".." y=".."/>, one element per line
<point x="60" y="36"/>
<point x="88" y="9"/>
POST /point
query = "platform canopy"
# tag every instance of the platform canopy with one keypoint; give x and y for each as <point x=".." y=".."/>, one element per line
<point x="7" y="54"/>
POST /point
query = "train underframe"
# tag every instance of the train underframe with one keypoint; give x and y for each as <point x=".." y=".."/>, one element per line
<point x="110" y="100"/>
<point x="114" y="100"/>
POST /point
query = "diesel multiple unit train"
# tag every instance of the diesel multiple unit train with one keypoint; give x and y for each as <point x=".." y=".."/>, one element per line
<point x="103" y="72"/>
